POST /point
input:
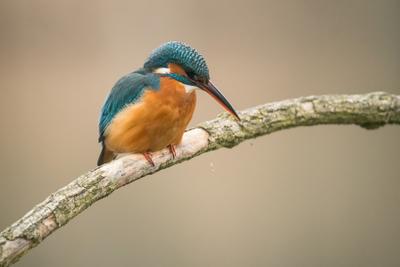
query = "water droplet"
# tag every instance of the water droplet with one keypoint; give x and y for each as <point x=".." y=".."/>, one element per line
<point x="212" y="167"/>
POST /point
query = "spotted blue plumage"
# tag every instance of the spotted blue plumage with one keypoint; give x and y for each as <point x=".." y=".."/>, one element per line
<point x="181" y="54"/>
<point x="126" y="91"/>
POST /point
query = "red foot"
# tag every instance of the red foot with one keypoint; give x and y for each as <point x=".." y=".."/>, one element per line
<point x="172" y="150"/>
<point x="147" y="155"/>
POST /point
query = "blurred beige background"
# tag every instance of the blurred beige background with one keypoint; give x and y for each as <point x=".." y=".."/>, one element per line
<point x="320" y="196"/>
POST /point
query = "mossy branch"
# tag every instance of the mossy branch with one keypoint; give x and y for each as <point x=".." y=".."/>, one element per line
<point x="369" y="111"/>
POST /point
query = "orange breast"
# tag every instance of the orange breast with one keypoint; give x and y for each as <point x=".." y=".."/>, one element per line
<point x="158" y="120"/>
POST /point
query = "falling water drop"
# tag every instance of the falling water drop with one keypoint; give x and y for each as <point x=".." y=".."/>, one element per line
<point x="212" y="167"/>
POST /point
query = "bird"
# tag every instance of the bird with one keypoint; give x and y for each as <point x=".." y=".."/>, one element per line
<point x="149" y="109"/>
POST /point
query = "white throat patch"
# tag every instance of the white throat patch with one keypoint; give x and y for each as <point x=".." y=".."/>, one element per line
<point x="189" y="88"/>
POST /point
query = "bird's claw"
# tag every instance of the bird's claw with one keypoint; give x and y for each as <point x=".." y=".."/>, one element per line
<point x="147" y="155"/>
<point x="172" y="150"/>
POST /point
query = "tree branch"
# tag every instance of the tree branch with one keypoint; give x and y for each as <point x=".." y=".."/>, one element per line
<point x="369" y="111"/>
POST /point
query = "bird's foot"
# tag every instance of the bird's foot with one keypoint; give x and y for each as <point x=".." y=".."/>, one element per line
<point x="172" y="150"/>
<point x="147" y="155"/>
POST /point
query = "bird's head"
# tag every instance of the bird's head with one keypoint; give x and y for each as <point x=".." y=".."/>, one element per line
<point x="184" y="64"/>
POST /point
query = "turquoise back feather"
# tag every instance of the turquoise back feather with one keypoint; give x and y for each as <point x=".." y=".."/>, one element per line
<point x="126" y="91"/>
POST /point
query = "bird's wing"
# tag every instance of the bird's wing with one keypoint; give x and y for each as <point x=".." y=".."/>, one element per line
<point x="126" y="91"/>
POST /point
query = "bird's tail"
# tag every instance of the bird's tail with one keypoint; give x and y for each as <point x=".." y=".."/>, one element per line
<point x="105" y="156"/>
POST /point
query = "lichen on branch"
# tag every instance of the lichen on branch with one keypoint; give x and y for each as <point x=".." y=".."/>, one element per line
<point x="369" y="111"/>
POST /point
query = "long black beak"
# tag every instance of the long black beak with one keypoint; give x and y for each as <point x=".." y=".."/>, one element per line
<point x="217" y="95"/>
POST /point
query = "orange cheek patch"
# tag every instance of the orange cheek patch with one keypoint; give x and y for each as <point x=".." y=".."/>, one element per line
<point x="174" y="68"/>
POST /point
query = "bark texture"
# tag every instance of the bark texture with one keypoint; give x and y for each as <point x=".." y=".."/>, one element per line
<point x="369" y="111"/>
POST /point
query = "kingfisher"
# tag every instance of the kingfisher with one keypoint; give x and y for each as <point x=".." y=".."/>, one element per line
<point x="148" y="109"/>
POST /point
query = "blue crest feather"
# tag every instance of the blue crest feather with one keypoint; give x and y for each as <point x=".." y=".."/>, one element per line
<point x="181" y="54"/>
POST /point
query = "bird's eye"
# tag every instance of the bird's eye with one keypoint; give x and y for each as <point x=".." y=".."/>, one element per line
<point x="201" y="79"/>
<point x="198" y="78"/>
<point x="191" y="74"/>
